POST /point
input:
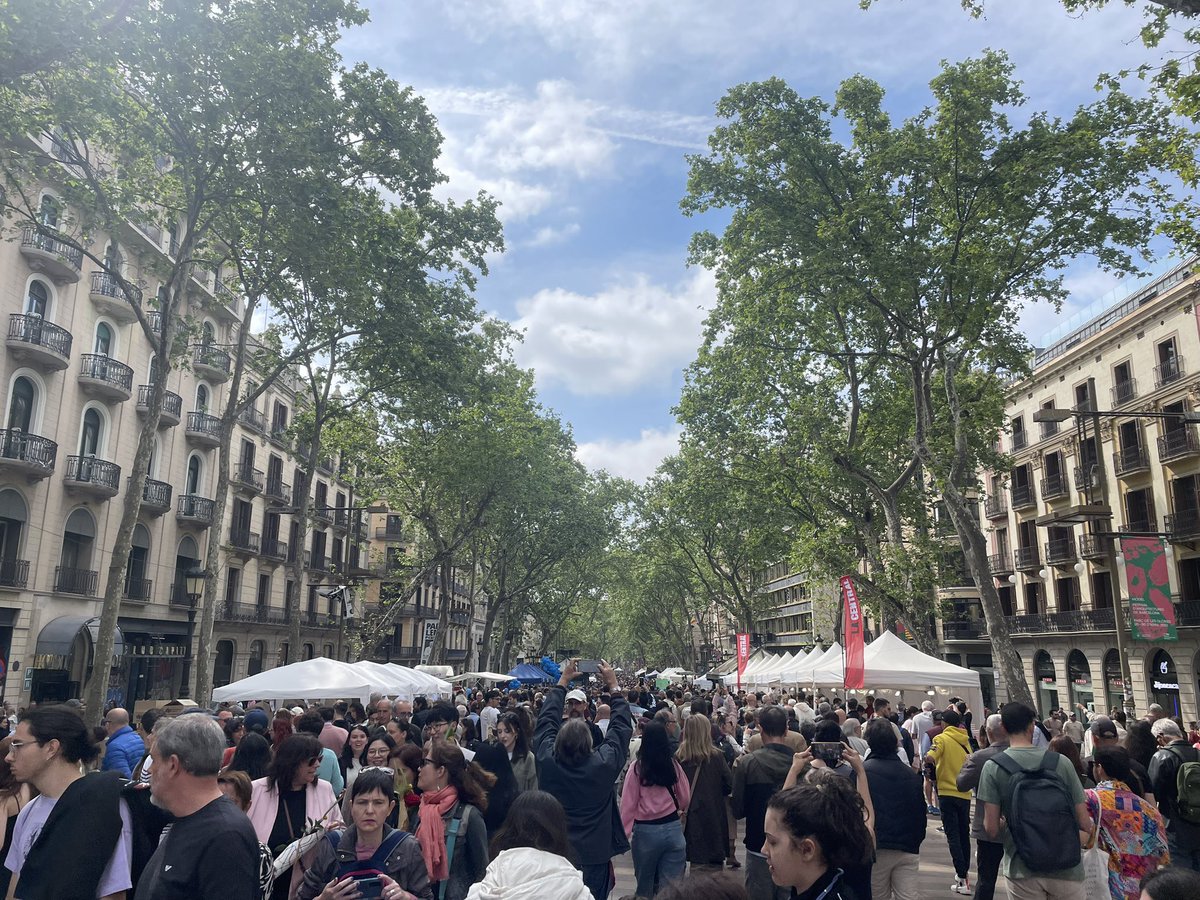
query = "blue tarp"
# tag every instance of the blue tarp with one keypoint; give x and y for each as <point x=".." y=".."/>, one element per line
<point x="528" y="674"/>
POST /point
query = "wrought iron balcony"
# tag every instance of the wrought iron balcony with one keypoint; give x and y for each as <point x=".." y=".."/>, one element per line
<point x="1026" y="558"/>
<point x="1048" y="430"/>
<point x="1131" y="461"/>
<point x="970" y="630"/>
<point x="1184" y="525"/>
<point x="341" y="518"/>
<point x="1061" y="552"/>
<point x="211" y="362"/>
<point x="392" y="532"/>
<point x="1124" y="392"/>
<point x="172" y="407"/>
<point x="278" y="492"/>
<point x="243" y="542"/>
<point x="1087" y="477"/>
<point x="138" y="590"/>
<point x="248" y="479"/>
<point x="1093" y="547"/>
<point x="27" y="454"/>
<point x="156" y="496"/>
<point x="1019" y="440"/>
<point x="1168" y="372"/>
<point x="314" y="619"/>
<point x="252" y="612"/>
<point x="154" y="319"/>
<point x="89" y="475"/>
<point x="1187" y="613"/>
<point x="204" y="429"/>
<point x="105" y="378"/>
<point x="50" y="253"/>
<point x="224" y="293"/>
<point x="1078" y="620"/>
<point x="1149" y="523"/>
<point x="323" y="514"/>
<point x="42" y="343"/>
<point x="110" y="298"/>
<point x="1178" y="443"/>
<point x="1023" y="496"/>
<point x="253" y="419"/>
<point x="194" y="510"/>
<point x="14" y="573"/>
<point x="1000" y="564"/>
<point x="69" y="580"/>
<point x="1054" y="486"/>
<point x="317" y="563"/>
<point x="274" y="550"/>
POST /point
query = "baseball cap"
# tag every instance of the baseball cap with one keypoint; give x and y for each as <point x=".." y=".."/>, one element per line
<point x="256" y="720"/>
<point x="297" y="711"/>
<point x="577" y="694"/>
<point x="1104" y="728"/>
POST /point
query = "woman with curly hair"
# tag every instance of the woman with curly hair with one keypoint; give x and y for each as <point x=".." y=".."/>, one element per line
<point x="281" y="727"/>
<point x="450" y="826"/>
<point x="816" y="831"/>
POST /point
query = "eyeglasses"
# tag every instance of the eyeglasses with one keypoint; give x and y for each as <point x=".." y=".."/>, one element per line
<point x="17" y="745"/>
<point x="428" y="762"/>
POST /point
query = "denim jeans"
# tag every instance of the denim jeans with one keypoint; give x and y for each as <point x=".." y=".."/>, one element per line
<point x="659" y="855"/>
<point x="956" y="819"/>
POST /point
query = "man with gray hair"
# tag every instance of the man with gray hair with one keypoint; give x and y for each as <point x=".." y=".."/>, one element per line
<point x="1183" y="837"/>
<point x="989" y="850"/>
<point x="210" y="851"/>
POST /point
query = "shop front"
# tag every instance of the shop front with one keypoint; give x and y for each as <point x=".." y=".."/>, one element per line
<point x="1047" y="682"/>
<point x="152" y="666"/>
<point x="1079" y="677"/>
<point x="63" y="658"/>
<point x="1164" y="683"/>
<point x="1114" y="683"/>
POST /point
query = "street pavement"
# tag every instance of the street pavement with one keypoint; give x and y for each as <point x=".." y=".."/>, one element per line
<point x="937" y="872"/>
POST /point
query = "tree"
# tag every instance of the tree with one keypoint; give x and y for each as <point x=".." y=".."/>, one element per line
<point x="901" y="252"/>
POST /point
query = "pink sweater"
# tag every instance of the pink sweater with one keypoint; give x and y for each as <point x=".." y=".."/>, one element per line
<point x="640" y="803"/>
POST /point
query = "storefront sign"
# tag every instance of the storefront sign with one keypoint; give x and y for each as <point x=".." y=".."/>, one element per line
<point x="1165" y="685"/>
<point x="1151" y="613"/>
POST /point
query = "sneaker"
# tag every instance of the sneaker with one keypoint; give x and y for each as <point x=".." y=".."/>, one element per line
<point x="934" y="811"/>
<point x="961" y="886"/>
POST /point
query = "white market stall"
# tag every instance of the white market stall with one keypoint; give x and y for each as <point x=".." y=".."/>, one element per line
<point x="394" y="681"/>
<point x="430" y="685"/>
<point x="482" y="676"/>
<point x="770" y="674"/>
<point x="311" y="679"/>
<point x="755" y="665"/>
<point x="787" y="673"/>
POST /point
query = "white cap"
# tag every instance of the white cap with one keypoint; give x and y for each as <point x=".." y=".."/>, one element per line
<point x="577" y="694"/>
<point x="297" y="711"/>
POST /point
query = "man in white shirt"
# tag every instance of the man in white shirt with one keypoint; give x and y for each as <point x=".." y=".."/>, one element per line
<point x="489" y="715"/>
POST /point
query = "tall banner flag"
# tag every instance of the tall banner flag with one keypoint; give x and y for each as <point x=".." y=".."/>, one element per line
<point x="852" y="635"/>
<point x="743" y="652"/>
<point x="1151" y="612"/>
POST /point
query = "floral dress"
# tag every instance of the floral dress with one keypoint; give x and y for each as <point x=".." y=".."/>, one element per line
<point x="1133" y="833"/>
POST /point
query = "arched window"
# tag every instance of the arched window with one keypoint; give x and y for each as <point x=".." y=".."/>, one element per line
<point x="21" y="407"/>
<point x="137" y="587"/>
<point x="193" y="474"/>
<point x="308" y="651"/>
<point x="208" y="335"/>
<point x="112" y="258"/>
<point x="104" y="339"/>
<point x="14" y="572"/>
<point x="201" y="398"/>
<point x="38" y="301"/>
<point x="49" y="211"/>
<point x="258" y="652"/>
<point x="89" y="437"/>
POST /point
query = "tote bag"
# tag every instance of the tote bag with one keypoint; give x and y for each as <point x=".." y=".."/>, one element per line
<point x="1095" y="864"/>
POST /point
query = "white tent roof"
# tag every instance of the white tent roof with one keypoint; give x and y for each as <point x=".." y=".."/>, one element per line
<point x="310" y="679"/>
<point x="758" y="663"/>
<point x="675" y="673"/>
<point x="819" y="669"/>
<point x="770" y="673"/>
<point x="787" y="673"/>
<point x="481" y="676"/>
<point x="426" y="684"/>
<point x="393" y="681"/>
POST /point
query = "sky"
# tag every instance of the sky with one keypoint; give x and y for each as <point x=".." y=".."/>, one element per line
<point x="579" y="116"/>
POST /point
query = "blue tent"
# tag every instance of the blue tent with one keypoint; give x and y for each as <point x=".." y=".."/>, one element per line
<point x="526" y="673"/>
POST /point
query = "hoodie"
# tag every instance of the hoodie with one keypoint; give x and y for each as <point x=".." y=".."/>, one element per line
<point x="524" y="873"/>
<point x="949" y="751"/>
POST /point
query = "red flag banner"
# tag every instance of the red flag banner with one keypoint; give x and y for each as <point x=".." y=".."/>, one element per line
<point x="852" y="635"/>
<point x="743" y="655"/>
<point x="1151" y="612"/>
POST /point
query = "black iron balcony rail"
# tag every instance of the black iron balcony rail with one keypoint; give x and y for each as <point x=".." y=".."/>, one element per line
<point x="224" y="292"/>
<point x="1025" y="558"/>
<point x="246" y="474"/>
<point x="1183" y="525"/>
<point x="14" y="573"/>
<point x="279" y="491"/>
<point x="106" y="369"/>
<point x="1054" y="486"/>
<point x="1187" y="613"/>
<point x="970" y="630"/>
<point x="68" y="580"/>
<point x="1168" y="372"/>
<point x="1093" y="547"/>
<point x="993" y="508"/>
<point x="90" y="470"/>
<point x="1087" y="477"/>
<point x="1178" y="443"/>
<point x="253" y="418"/>
<point x="1077" y="620"/>
<point x="1049" y="429"/>
<point x="1131" y="460"/>
<point x="30" y="329"/>
<point x="31" y="449"/>
<point x="1023" y="495"/>
<point x="172" y="403"/>
<point x="275" y="549"/>
<point x="1000" y="564"/>
<point x="252" y="612"/>
<point x="323" y="514"/>
<point x="52" y="243"/>
<point x="138" y="589"/>
<point x="212" y="357"/>
<point x="104" y="285"/>
<point x="1060" y="552"/>
<point x="203" y="423"/>
<point x="1019" y="440"/>
<point x="156" y="493"/>
<point x="244" y="540"/>
<point x="314" y="619"/>
<point x="195" y="507"/>
<point x="1124" y="392"/>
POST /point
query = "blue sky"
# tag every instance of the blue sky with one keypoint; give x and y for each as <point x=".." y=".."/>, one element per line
<point x="577" y="116"/>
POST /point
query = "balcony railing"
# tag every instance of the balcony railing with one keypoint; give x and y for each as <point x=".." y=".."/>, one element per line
<point x="1184" y="525"/>
<point x="140" y="590"/>
<point x="14" y="573"/>
<point x="1168" y="372"/>
<point x="1131" y="460"/>
<point x="223" y="292"/>
<point x="341" y="518"/>
<point x="278" y="491"/>
<point x="52" y="244"/>
<point x="1026" y="558"/>
<point x="1187" y="613"/>
<point x="391" y="532"/>
<point x="1000" y="564"/>
<point x="247" y="476"/>
<point x="1048" y="430"/>
<point x="1178" y="443"/>
<point x="1093" y="547"/>
<point x="68" y="580"/>
<point x="1023" y="496"/>
<point x="156" y="494"/>
<point x="275" y="549"/>
<point x="1060" y="552"/>
<point x="37" y="332"/>
<point x="107" y="370"/>
<point x="253" y="418"/>
<point x="252" y="612"/>
<point x="92" y="471"/>
<point x="1124" y="392"/>
<point x="104" y="285"/>
<point x="314" y="619"/>
<point x="172" y="407"/>
<point x="964" y="631"/>
<point x="246" y="541"/>
<point x="203" y="424"/>
<point x="1074" y="621"/>
<point x="210" y="357"/>
<point x="1149" y="523"/>
<point x="323" y="514"/>
<point x="1054" y="486"/>
<point x="1019" y="440"/>
<point x="318" y="563"/>
<point x="1087" y="477"/>
<point x="195" y="508"/>
<point x="31" y="450"/>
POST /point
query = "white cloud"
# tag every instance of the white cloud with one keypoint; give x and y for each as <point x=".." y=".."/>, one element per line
<point x="549" y="235"/>
<point x="634" y="459"/>
<point x="627" y="336"/>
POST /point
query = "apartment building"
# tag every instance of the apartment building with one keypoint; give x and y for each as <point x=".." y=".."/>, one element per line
<point x="800" y="611"/>
<point x="76" y="374"/>
<point x="1132" y="353"/>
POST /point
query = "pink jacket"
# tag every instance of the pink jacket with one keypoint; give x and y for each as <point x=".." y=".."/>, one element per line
<point x="319" y="803"/>
<point x="640" y="803"/>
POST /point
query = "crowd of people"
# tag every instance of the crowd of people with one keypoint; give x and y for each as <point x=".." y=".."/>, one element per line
<point x="533" y="793"/>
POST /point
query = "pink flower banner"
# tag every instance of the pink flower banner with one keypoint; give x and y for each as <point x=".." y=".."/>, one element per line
<point x="1151" y="612"/>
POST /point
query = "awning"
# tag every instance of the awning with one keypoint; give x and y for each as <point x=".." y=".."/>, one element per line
<point x="54" y="642"/>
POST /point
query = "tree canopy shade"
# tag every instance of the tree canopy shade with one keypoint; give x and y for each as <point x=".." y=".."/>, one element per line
<point x="869" y="292"/>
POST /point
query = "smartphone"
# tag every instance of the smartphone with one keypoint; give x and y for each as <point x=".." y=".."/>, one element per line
<point x="370" y="887"/>
<point x="588" y="667"/>
<point x="830" y="752"/>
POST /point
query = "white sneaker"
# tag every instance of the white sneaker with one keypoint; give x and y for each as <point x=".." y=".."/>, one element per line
<point x="961" y="886"/>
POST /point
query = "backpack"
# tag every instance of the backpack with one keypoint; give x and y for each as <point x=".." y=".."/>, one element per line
<point x="1040" y="814"/>
<point x="376" y="865"/>
<point x="1187" y="786"/>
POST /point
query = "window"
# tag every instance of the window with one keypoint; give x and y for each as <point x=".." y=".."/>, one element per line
<point x="89" y="438"/>
<point x="258" y="651"/>
<point x="1139" y="511"/>
<point x="21" y="406"/>
<point x="202" y="398"/>
<point x="112" y="258"/>
<point x="1124" y="387"/>
<point x="233" y="585"/>
<point x="104" y="339"/>
<point x="49" y="211"/>
<point x="263" y="598"/>
<point x="1019" y="438"/>
<point x="279" y="418"/>
<point x="208" y="335"/>
<point x="37" y="303"/>
<point x="1168" y="369"/>
<point x="1049" y="429"/>
<point x="193" y="474"/>
<point x="1083" y="396"/>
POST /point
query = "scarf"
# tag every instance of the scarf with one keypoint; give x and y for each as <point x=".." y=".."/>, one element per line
<point x="431" y="830"/>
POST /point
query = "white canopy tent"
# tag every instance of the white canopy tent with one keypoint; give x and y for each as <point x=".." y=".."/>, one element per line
<point x="481" y="676"/>
<point x="675" y="674"/>
<point x="394" y="681"/>
<point x="757" y="664"/>
<point x="311" y="679"/>
<point x="816" y="669"/>
<point x="787" y="673"/>
<point x="770" y="674"/>
<point x="428" y="685"/>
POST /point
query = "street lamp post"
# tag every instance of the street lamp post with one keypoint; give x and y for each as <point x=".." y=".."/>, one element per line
<point x="1103" y="511"/>
<point x="194" y="585"/>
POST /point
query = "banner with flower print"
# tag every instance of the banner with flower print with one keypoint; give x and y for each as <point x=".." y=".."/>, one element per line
<point x="1151" y="612"/>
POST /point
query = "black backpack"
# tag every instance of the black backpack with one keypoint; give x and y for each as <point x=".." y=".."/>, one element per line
<point x="1040" y="814"/>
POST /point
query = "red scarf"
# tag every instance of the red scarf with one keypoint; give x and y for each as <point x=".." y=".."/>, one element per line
<point x="431" y="830"/>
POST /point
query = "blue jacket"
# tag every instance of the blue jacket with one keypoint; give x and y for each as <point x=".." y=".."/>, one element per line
<point x="125" y="750"/>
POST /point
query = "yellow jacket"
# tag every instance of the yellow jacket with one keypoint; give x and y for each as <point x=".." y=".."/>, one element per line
<point x="949" y="751"/>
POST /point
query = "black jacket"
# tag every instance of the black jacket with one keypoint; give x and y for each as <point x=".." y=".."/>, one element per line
<point x="1164" y="768"/>
<point x="897" y="793"/>
<point x="587" y="791"/>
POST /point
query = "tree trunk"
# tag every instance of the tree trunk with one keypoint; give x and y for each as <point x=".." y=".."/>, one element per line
<point x="202" y="667"/>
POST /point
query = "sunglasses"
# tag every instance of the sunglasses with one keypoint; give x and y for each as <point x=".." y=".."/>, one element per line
<point x="428" y="762"/>
<point x="315" y="761"/>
